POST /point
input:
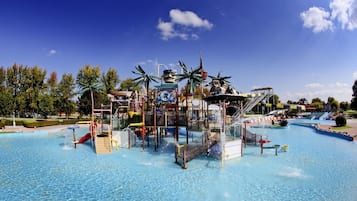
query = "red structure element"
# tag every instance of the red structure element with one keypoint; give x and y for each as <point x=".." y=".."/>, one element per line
<point x="84" y="138"/>
<point x="261" y="141"/>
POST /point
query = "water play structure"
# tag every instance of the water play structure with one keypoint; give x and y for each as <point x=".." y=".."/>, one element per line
<point x="165" y="114"/>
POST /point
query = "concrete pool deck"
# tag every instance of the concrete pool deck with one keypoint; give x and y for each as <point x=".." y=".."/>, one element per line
<point x="352" y="131"/>
<point x="22" y="129"/>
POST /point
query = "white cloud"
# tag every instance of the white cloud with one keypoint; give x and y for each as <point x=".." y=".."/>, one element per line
<point x="189" y="18"/>
<point x="345" y="12"/>
<point x="182" y="24"/>
<point x="339" y="84"/>
<point x="51" y="52"/>
<point x="317" y="19"/>
<point x="341" y="11"/>
<point x="313" y="85"/>
<point x="355" y="75"/>
<point x="167" y="30"/>
<point x="340" y="91"/>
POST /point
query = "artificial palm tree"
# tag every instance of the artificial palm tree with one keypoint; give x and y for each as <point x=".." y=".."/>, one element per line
<point x="144" y="78"/>
<point x="194" y="77"/>
<point x="222" y="80"/>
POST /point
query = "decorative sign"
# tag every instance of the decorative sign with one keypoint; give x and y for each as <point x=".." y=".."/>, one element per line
<point x="166" y="97"/>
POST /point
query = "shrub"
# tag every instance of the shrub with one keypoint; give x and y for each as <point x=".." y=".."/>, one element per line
<point x="340" y="121"/>
<point x="284" y="122"/>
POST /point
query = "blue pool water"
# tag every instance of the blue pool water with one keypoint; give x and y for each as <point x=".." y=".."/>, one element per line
<point x="45" y="167"/>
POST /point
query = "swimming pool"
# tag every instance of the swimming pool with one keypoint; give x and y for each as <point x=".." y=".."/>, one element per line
<point x="46" y="167"/>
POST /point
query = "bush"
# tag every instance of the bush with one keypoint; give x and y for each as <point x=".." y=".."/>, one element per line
<point x="341" y="121"/>
<point x="2" y="124"/>
<point x="42" y="123"/>
<point x="283" y="122"/>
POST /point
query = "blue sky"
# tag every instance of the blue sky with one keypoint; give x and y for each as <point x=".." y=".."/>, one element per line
<point x="301" y="48"/>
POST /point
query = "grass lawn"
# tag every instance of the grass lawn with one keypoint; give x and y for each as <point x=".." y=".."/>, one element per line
<point x="341" y="128"/>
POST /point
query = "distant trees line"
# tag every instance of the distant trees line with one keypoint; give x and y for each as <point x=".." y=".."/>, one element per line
<point x="27" y="91"/>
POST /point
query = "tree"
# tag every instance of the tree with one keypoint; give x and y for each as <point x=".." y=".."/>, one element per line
<point x="110" y="80"/>
<point x="35" y="86"/>
<point x="88" y="79"/>
<point x="5" y="95"/>
<point x="344" y="105"/>
<point x="13" y="81"/>
<point x="354" y="96"/>
<point x="303" y="101"/>
<point x="6" y="100"/>
<point x="317" y="103"/>
<point x="129" y="85"/>
<point x="66" y="94"/>
<point x="274" y="99"/>
<point x="332" y="104"/>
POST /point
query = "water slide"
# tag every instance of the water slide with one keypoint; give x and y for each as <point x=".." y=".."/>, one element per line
<point x="84" y="138"/>
<point x="324" y="116"/>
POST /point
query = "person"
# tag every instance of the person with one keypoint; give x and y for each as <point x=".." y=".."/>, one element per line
<point x="93" y="126"/>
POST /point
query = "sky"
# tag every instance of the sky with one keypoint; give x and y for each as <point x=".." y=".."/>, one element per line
<point x="300" y="48"/>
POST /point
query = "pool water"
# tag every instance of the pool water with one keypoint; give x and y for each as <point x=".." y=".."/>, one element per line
<point x="46" y="167"/>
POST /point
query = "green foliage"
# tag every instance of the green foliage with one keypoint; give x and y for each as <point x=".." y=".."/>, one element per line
<point x="65" y="94"/>
<point x="344" y="105"/>
<point x="341" y="121"/>
<point x="2" y="124"/>
<point x="6" y="99"/>
<point x="129" y="85"/>
<point x="43" y="123"/>
<point x="283" y="122"/>
<point x="88" y="79"/>
<point x="110" y="80"/>
<point x="354" y="96"/>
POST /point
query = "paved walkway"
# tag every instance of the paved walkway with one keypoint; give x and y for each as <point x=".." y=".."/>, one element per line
<point x="22" y="129"/>
<point x="352" y="131"/>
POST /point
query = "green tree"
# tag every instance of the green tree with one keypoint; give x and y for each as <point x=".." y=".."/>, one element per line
<point x="317" y="103"/>
<point x="274" y="99"/>
<point x="13" y="82"/>
<point x="303" y="101"/>
<point x="6" y="100"/>
<point x="129" y="85"/>
<point x="354" y="96"/>
<point x="344" y="105"/>
<point x="88" y="79"/>
<point x="333" y="104"/>
<point x="38" y="87"/>
<point x="65" y="93"/>
<point x="110" y="81"/>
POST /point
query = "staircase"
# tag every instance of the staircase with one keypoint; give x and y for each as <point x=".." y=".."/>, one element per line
<point x="103" y="145"/>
